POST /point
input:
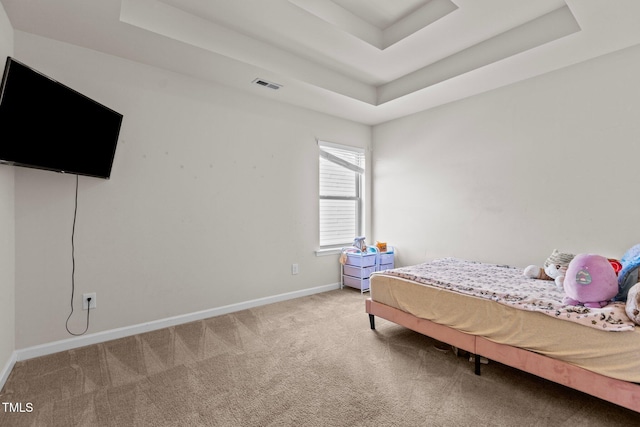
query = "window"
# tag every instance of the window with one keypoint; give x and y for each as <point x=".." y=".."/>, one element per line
<point x="341" y="190"/>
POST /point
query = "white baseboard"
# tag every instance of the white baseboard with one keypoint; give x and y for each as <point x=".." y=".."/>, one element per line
<point x="71" y="343"/>
<point x="4" y="373"/>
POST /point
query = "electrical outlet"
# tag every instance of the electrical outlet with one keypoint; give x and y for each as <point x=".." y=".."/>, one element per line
<point x="294" y="269"/>
<point x="85" y="301"/>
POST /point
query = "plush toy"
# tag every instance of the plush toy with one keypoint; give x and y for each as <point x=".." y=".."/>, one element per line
<point x="628" y="275"/>
<point x="359" y="243"/>
<point x="590" y="280"/>
<point x="633" y="303"/>
<point x="554" y="268"/>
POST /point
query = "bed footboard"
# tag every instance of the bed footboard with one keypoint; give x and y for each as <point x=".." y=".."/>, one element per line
<point x="619" y="392"/>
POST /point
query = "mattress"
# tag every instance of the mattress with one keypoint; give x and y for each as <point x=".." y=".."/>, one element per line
<point x="614" y="354"/>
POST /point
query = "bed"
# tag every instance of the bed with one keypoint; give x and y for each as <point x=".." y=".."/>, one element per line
<point x="495" y="312"/>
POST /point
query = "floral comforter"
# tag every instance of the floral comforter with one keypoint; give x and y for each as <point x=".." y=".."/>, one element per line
<point x="507" y="285"/>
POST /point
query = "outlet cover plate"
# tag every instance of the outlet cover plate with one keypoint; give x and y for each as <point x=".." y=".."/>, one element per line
<point x="85" y="297"/>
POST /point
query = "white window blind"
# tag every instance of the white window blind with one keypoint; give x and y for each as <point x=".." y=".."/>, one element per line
<point x="341" y="189"/>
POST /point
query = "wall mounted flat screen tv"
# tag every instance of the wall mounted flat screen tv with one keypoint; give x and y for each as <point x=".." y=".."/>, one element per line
<point x="47" y="125"/>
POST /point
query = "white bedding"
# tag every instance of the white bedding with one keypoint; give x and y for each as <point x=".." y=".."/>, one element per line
<point x="507" y="285"/>
<point x="613" y="354"/>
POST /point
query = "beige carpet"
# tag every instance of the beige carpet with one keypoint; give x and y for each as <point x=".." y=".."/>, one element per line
<point x="312" y="361"/>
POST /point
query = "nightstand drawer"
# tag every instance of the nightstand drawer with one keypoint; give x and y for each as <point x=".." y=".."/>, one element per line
<point x="382" y="267"/>
<point x="354" y="282"/>
<point x="385" y="258"/>
<point x="359" y="272"/>
<point x="361" y="260"/>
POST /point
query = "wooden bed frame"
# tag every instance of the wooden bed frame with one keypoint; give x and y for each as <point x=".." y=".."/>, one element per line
<point x="623" y="393"/>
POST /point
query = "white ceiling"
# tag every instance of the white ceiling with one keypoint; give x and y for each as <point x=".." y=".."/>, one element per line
<point x="365" y="60"/>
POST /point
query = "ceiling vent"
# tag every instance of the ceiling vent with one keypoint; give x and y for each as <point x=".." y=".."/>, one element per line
<point x="270" y="85"/>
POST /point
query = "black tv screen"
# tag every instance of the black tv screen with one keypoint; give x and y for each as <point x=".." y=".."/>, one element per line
<point x="47" y="125"/>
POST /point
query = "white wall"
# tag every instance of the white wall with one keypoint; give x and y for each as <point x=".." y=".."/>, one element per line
<point x="213" y="196"/>
<point x="507" y="176"/>
<point x="7" y="230"/>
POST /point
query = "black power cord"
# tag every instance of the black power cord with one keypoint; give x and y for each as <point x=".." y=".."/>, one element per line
<point x="73" y="268"/>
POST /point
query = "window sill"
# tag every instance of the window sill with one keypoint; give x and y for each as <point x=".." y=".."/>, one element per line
<point x="330" y="251"/>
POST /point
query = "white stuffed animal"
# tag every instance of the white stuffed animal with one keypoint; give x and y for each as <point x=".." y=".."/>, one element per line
<point x="554" y="269"/>
<point x="633" y="304"/>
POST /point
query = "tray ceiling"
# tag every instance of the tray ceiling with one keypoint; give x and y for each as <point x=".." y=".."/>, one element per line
<point x="364" y="60"/>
